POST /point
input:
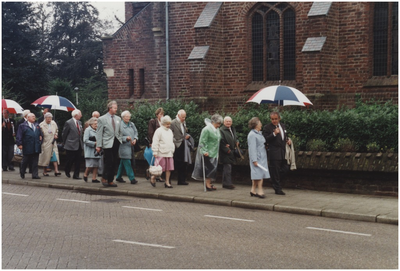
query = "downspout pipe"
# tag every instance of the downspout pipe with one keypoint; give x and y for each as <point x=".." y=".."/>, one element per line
<point x="167" y="47"/>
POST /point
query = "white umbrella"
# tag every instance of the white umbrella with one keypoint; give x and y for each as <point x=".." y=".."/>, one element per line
<point x="281" y="95"/>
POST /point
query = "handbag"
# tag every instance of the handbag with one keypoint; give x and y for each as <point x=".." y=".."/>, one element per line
<point x="155" y="170"/>
<point x="238" y="153"/>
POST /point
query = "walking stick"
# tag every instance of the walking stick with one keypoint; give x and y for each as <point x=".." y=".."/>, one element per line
<point x="204" y="173"/>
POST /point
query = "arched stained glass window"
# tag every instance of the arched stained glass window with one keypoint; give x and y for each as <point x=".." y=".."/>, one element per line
<point x="273" y="42"/>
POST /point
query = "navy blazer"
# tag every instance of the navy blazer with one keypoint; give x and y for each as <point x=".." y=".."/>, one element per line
<point x="29" y="139"/>
<point x="276" y="145"/>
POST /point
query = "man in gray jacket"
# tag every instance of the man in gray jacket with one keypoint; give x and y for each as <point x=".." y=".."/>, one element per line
<point x="178" y="127"/>
<point x="73" y="144"/>
<point x="109" y="138"/>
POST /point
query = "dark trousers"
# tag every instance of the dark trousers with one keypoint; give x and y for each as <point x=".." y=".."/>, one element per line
<point x="180" y="165"/>
<point x="73" y="157"/>
<point x="277" y="169"/>
<point x="30" y="159"/>
<point x="111" y="161"/>
<point x="7" y="156"/>
<point x="227" y="175"/>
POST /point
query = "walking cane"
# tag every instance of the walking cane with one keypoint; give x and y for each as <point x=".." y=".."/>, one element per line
<point x="204" y="174"/>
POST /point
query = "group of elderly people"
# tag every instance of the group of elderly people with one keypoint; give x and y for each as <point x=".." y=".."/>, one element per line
<point x="215" y="145"/>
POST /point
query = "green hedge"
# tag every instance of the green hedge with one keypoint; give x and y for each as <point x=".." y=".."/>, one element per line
<point x="365" y="125"/>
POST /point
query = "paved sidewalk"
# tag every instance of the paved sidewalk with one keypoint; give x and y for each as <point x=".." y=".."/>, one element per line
<point x="336" y="205"/>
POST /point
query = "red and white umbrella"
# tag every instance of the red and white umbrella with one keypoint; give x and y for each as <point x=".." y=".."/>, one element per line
<point x="55" y="102"/>
<point x="12" y="106"/>
<point x="281" y="95"/>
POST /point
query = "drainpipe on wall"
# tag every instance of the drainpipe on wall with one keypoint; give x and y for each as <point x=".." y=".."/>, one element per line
<point x="167" y="47"/>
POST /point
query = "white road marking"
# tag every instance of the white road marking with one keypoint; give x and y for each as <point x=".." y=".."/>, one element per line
<point x="147" y="209"/>
<point x="142" y="244"/>
<point x="345" y="232"/>
<point x="12" y="194"/>
<point x="73" y="200"/>
<point x="230" y="218"/>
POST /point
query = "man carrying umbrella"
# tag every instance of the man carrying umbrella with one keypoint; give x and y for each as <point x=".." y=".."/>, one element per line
<point x="276" y="139"/>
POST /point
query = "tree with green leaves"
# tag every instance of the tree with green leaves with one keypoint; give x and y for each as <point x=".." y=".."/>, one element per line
<point x="23" y="72"/>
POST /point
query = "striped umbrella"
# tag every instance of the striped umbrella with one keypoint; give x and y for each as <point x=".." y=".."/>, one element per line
<point x="12" y="106"/>
<point x="281" y="95"/>
<point x="55" y="102"/>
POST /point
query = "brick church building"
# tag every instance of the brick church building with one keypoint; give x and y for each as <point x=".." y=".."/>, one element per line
<point x="220" y="53"/>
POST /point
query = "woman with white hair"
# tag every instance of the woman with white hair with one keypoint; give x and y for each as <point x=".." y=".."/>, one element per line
<point x="49" y="144"/>
<point x="206" y="163"/>
<point x="92" y="158"/>
<point x="126" y="149"/>
<point x="163" y="150"/>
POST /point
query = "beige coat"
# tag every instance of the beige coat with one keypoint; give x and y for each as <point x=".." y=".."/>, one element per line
<point x="47" y="146"/>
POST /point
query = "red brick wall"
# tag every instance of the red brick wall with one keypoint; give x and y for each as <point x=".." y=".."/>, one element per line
<point x="330" y="78"/>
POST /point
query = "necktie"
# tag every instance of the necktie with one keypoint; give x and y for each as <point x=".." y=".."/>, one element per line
<point x="112" y="122"/>
<point x="77" y="126"/>
<point x="230" y="130"/>
<point x="8" y="124"/>
<point x="281" y="131"/>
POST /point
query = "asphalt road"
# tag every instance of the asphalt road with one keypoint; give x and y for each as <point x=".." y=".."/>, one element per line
<point x="63" y="229"/>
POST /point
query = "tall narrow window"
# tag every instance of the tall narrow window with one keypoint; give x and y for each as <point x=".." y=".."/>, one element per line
<point x="131" y="85"/>
<point x="141" y="81"/>
<point x="273" y="42"/>
<point x="385" y="39"/>
<point x="258" y="47"/>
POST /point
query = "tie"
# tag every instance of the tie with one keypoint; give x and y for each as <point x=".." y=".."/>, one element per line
<point x="8" y="124"/>
<point x="230" y="130"/>
<point x="33" y="127"/>
<point x="281" y="132"/>
<point x="112" y="122"/>
<point x="77" y="126"/>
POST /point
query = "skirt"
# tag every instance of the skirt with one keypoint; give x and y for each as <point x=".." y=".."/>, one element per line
<point x="92" y="162"/>
<point x="167" y="163"/>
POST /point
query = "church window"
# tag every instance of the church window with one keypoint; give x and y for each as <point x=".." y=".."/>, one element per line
<point x="385" y="59"/>
<point x="273" y="42"/>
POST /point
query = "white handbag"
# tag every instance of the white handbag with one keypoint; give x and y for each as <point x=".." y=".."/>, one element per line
<point x="155" y="170"/>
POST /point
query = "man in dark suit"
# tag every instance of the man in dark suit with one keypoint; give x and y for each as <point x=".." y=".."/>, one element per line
<point x="73" y="144"/>
<point x="7" y="142"/>
<point x="276" y="140"/>
<point x="24" y="119"/>
<point x="29" y="140"/>
<point x="178" y="128"/>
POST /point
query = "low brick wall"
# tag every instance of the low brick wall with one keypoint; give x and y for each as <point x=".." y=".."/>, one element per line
<point x="356" y="173"/>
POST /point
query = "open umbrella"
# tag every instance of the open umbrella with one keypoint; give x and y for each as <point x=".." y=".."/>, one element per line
<point x="55" y="102"/>
<point x="281" y="95"/>
<point x="12" y="106"/>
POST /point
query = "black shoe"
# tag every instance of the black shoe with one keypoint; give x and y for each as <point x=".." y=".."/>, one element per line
<point x="67" y="174"/>
<point x="229" y="186"/>
<point x="112" y="184"/>
<point x="133" y="181"/>
<point x="22" y="175"/>
<point x="76" y="178"/>
<point x="252" y="194"/>
<point x="120" y="180"/>
<point x="209" y="189"/>
<point x="280" y="193"/>
<point x="57" y="173"/>
<point x="167" y="186"/>
<point x="95" y="181"/>
<point x="11" y="169"/>
<point x="260" y="196"/>
<point x="104" y="184"/>
<point x="36" y="177"/>
<point x="85" y="178"/>
<point x="184" y="183"/>
<point x="153" y="184"/>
